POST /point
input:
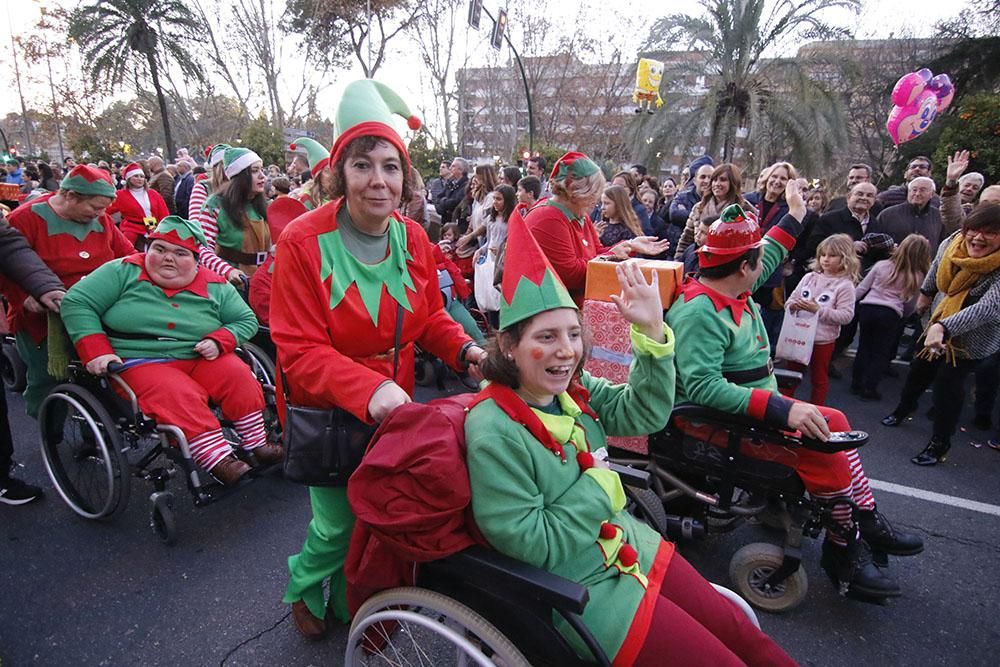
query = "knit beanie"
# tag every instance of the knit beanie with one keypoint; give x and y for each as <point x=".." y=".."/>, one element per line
<point x="573" y="164"/>
<point x="366" y="109"/>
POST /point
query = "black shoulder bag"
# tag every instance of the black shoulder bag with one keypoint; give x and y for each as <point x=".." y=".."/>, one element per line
<point x="323" y="446"/>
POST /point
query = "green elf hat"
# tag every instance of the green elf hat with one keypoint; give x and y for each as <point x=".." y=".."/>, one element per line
<point x="89" y="182"/>
<point x="573" y="164"/>
<point x="366" y="109"/>
<point x="235" y="160"/>
<point x="530" y="285"/>
<point x="216" y="153"/>
<point x="180" y="231"/>
<point x="319" y="157"/>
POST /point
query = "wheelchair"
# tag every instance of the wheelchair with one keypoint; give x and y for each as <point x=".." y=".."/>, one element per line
<point x="12" y="368"/>
<point x="484" y="608"/>
<point x="94" y="442"/>
<point x="708" y="485"/>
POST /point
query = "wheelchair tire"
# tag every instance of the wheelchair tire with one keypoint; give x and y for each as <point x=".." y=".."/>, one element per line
<point x="82" y="450"/>
<point x="261" y="365"/>
<point x="161" y="518"/>
<point x="424" y="373"/>
<point x="646" y="505"/>
<point x="752" y="565"/>
<point x="432" y="628"/>
<point x="13" y="370"/>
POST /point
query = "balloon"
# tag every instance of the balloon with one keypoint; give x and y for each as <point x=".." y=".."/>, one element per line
<point x="944" y="89"/>
<point x="918" y="97"/>
<point x="911" y="121"/>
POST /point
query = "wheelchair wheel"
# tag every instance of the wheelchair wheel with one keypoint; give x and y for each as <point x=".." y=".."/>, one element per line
<point x="424" y="373"/>
<point x="13" y="370"/>
<point x="645" y="504"/>
<point x="260" y="364"/>
<point x="161" y="518"/>
<point x="82" y="450"/>
<point x="752" y="565"/>
<point x="405" y="626"/>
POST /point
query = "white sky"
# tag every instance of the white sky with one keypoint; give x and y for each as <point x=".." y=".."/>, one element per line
<point x="878" y="19"/>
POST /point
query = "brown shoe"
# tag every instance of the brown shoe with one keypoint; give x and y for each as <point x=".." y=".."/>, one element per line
<point x="268" y="454"/>
<point x="309" y="626"/>
<point x="229" y="470"/>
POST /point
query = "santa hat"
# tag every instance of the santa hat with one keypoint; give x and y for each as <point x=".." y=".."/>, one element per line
<point x="530" y="285"/>
<point x="573" y="164"/>
<point x="319" y="157"/>
<point x="282" y="211"/>
<point x="366" y="109"/>
<point x="88" y="181"/>
<point x="216" y="153"/>
<point x="235" y="160"/>
<point x="133" y="169"/>
<point x="180" y="231"/>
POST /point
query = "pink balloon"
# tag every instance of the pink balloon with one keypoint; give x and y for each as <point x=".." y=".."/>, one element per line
<point x="908" y="88"/>
<point x="910" y="121"/>
<point x="944" y="89"/>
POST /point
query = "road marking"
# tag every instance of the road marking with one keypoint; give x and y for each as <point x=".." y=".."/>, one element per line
<point x="941" y="498"/>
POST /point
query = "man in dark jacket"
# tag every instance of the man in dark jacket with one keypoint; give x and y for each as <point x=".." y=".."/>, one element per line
<point x="914" y="216"/>
<point x="852" y="220"/>
<point x="185" y="181"/>
<point x="699" y="181"/>
<point x="20" y="264"/>
<point x="454" y="190"/>
<point x="918" y="167"/>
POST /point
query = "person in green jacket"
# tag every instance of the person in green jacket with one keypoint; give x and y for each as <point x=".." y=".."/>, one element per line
<point x="543" y="493"/>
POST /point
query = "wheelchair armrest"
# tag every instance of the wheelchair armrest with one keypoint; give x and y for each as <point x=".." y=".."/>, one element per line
<point x="787" y="379"/>
<point x="840" y="441"/>
<point x="631" y="476"/>
<point x="697" y="412"/>
<point x="492" y="569"/>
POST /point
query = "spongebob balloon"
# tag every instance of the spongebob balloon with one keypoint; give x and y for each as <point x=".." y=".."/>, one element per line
<point x="647" y="85"/>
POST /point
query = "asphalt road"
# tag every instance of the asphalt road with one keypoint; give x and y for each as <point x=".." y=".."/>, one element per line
<point x="75" y="592"/>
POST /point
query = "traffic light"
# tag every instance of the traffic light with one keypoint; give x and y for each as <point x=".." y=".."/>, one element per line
<point x="496" y="40"/>
<point x="475" y="13"/>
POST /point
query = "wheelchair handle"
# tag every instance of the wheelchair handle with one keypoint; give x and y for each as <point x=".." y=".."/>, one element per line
<point x="115" y="367"/>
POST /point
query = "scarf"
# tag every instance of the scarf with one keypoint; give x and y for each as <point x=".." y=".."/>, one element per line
<point x="956" y="275"/>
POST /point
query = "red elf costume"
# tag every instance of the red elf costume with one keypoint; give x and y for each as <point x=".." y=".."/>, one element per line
<point x="139" y="207"/>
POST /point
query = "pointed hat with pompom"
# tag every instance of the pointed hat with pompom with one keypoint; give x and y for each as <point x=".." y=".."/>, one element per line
<point x="180" y="231"/>
<point x="366" y="109"/>
<point x="530" y="285"/>
<point x="319" y="157"/>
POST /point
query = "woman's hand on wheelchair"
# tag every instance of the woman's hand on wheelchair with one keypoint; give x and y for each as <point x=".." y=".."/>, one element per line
<point x="208" y="349"/>
<point x="386" y="398"/>
<point x="807" y="419"/>
<point x="639" y="301"/>
<point x="99" y="365"/>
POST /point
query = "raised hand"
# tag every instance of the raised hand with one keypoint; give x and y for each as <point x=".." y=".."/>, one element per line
<point x="957" y="164"/>
<point x="639" y="301"/>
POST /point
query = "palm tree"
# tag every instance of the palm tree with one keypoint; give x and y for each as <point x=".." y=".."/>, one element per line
<point x="111" y="32"/>
<point x="741" y="85"/>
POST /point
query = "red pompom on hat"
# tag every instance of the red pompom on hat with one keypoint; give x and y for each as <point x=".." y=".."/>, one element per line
<point x="627" y="555"/>
<point x="413" y="123"/>
<point x="608" y="531"/>
<point x="585" y="460"/>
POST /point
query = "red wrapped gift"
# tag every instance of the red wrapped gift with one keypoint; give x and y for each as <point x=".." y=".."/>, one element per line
<point x="611" y="356"/>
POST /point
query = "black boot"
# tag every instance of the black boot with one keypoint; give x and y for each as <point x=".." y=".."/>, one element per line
<point x="881" y="536"/>
<point x="935" y="452"/>
<point x="852" y="571"/>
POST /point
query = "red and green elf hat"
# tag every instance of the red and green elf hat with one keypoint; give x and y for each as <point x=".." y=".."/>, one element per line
<point x="573" y="164"/>
<point x="88" y="181"/>
<point x="319" y="157"/>
<point x="366" y="109"/>
<point x="180" y="231"/>
<point x="134" y="169"/>
<point x="730" y="236"/>
<point x="530" y="285"/>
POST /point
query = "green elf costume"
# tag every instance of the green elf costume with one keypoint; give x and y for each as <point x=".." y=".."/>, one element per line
<point x="333" y="320"/>
<point x="120" y="310"/>
<point x="537" y="495"/>
<point x="203" y="182"/>
<point x="233" y="248"/>
<point x="71" y="249"/>
<point x="319" y="160"/>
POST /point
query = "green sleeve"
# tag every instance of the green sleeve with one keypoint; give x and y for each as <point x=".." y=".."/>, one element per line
<point x="87" y="301"/>
<point x="643" y="405"/>
<point x="234" y="313"/>
<point x="773" y="255"/>
<point x="699" y="369"/>
<point x="509" y="506"/>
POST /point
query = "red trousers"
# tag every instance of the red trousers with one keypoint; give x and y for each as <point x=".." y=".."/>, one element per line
<point x="819" y="372"/>
<point x="178" y="392"/>
<point x="693" y="625"/>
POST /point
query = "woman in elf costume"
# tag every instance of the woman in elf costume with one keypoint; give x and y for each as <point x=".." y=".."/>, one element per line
<point x="210" y="184"/>
<point x="563" y="228"/>
<point x="139" y="207"/>
<point x="235" y="219"/>
<point x="344" y="275"/>
<point x="319" y="189"/>
<point x="542" y="493"/>
<point x="177" y="324"/>
<point x="73" y="235"/>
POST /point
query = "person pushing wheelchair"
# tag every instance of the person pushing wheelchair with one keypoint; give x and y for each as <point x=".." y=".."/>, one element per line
<point x="723" y="362"/>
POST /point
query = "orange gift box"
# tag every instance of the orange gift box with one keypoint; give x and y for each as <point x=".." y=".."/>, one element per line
<point x="602" y="281"/>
